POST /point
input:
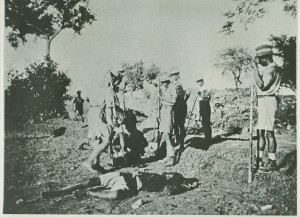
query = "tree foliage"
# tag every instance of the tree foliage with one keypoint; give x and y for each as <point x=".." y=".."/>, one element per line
<point x="44" y="19"/>
<point x="286" y="47"/>
<point x="234" y="61"/>
<point x="248" y="11"/>
<point x="152" y="72"/>
<point x="37" y="93"/>
<point x="136" y="74"/>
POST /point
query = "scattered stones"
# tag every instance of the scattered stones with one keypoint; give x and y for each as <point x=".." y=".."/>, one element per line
<point x="138" y="203"/>
<point x="20" y="202"/>
<point x="72" y="167"/>
<point x="266" y="207"/>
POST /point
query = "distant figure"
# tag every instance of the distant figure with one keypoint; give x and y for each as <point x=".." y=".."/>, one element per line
<point x="268" y="84"/>
<point x="78" y="105"/>
<point x="204" y="108"/>
<point x="118" y="185"/>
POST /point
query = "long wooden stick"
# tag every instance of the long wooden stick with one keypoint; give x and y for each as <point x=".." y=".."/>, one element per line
<point x="158" y="110"/>
<point x="188" y="123"/>
<point x="251" y="131"/>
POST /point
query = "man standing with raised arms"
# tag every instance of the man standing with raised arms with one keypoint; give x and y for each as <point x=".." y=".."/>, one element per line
<point x="268" y="83"/>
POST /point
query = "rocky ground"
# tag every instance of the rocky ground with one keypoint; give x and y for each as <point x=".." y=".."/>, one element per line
<point x="36" y="161"/>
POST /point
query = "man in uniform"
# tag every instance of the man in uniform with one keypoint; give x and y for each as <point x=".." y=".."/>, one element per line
<point x="268" y="83"/>
<point x="204" y="108"/>
<point x="180" y="107"/>
<point x="78" y="105"/>
<point x="167" y="119"/>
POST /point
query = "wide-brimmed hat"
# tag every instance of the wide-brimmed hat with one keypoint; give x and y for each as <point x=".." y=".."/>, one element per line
<point x="174" y="71"/>
<point x="199" y="78"/>
<point x="264" y="50"/>
<point x="165" y="80"/>
<point x="121" y="71"/>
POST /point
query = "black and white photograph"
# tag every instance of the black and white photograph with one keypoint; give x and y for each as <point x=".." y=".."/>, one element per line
<point x="149" y="107"/>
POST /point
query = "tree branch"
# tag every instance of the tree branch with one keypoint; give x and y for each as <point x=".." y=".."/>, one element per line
<point x="55" y="34"/>
<point x="245" y="20"/>
<point x="37" y="28"/>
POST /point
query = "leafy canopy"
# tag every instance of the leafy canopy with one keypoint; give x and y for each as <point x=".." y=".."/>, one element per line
<point x="234" y="61"/>
<point x="136" y="74"/>
<point x="44" y="18"/>
<point x="248" y="11"/>
<point x="286" y="47"/>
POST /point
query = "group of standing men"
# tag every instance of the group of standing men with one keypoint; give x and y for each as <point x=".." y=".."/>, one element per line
<point x="111" y="120"/>
<point x="173" y="112"/>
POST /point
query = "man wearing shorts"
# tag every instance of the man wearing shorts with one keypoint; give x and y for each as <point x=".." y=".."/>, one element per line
<point x="104" y="124"/>
<point x="268" y="83"/>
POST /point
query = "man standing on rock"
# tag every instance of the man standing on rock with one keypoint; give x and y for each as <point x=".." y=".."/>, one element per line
<point x="204" y="98"/>
<point x="268" y="83"/>
<point x="180" y="108"/>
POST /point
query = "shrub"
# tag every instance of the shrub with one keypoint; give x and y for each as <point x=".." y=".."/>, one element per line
<point x="136" y="74"/>
<point x="37" y="93"/>
<point x="152" y="72"/>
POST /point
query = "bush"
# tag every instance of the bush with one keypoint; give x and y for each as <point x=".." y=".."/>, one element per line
<point x="152" y="72"/>
<point x="136" y="74"/>
<point x="286" y="47"/>
<point x="37" y="93"/>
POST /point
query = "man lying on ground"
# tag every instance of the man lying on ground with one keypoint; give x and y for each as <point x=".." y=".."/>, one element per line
<point x="117" y="185"/>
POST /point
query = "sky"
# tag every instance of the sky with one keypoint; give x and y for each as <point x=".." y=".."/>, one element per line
<point x="168" y="33"/>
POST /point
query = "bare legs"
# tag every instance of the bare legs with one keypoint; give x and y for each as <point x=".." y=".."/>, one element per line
<point x="266" y="137"/>
<point x="93" y="160"/>
<point x="69" y="189"/>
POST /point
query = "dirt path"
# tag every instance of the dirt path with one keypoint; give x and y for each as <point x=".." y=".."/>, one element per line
<point x="33" y="164"/>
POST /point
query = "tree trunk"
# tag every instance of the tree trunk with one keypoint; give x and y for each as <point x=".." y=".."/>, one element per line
<point x="48" y="43"/>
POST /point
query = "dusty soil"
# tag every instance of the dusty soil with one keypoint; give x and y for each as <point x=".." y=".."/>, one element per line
<point x="37" y="161"/>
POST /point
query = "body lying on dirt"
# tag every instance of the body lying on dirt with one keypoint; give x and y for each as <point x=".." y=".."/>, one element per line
<point x="118" y="185"/>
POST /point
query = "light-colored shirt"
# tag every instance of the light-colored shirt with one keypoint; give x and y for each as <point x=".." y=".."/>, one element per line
<point x="170" y="95"/>
<point x="204" y="94"/>
<point x="271" y="80"/>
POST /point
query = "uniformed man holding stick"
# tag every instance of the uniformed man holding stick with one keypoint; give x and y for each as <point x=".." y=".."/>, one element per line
<point x="204" y="108"/>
